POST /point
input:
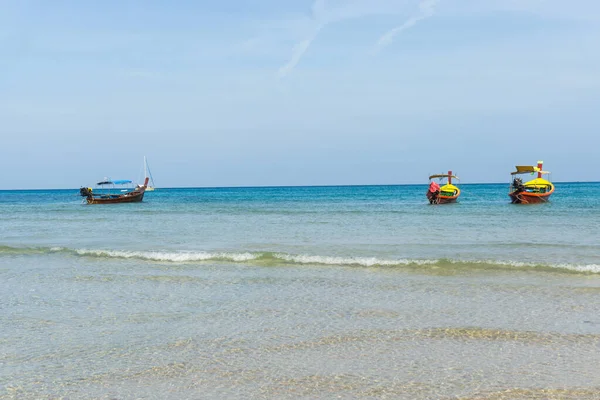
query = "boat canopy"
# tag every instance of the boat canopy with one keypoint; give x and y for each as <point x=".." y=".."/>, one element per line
<point x="448" y="186"/>
<point x="526" y="169"/>
<point x="115" y="182"/>
<point x="444" y="176"/>
<point x="538" y="182"/>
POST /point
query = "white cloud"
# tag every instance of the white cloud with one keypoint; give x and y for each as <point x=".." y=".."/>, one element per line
<point x="298" y="52"/>
<point x="325" y="14"/>
<point x="318" y="10"/>
<point x="332" y="11"/>
<point x="426" y="8"/>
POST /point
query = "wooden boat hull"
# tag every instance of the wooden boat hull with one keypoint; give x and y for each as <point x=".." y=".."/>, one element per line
<point x="529" y="198"/>
<point x="441" y="199"/>
<point x="132" y="197"/>
<point x="447" y="200"/>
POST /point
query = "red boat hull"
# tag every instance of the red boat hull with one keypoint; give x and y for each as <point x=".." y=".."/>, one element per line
<point x="131" y="197"/>
<point x="441" y="199"/>
<point x="529" y="198"/>
<point x="447" y="200"/>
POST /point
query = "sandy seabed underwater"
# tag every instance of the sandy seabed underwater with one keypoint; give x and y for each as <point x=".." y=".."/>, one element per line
<point x="301" y="292"/>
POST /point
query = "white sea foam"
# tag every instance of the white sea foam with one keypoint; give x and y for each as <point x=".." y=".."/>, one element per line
<point x="363" y="261"/>
<point x="169" y="256"/>
<point x="305" y="259"/>
<point x="593" y="268"/>
<point x="248" y="256"/>
<point x="516" y="264"/>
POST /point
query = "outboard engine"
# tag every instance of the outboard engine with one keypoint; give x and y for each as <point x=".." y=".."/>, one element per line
<point x="434" y="197"/>
<point x="518" y="185"/>
<point x="433" y="193"/>
<point x="85" y="192"/>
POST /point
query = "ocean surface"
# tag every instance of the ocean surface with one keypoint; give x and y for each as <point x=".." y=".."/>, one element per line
<point x="300" y="293"/>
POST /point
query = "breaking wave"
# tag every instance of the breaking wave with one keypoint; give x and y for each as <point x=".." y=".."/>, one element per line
<point x="273" y="258"/>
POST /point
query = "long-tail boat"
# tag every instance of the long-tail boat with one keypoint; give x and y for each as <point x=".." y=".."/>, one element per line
<point x="447" y="193"/>
<point x="108" y="196"/>
<point x="537" y="190"/>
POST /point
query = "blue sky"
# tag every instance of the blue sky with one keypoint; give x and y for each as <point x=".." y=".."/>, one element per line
<point x="266" y="92"/>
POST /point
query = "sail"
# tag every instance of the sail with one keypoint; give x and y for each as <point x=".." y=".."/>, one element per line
<point x="148" y="174"/>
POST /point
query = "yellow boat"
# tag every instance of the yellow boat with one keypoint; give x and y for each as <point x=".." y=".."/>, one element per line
<point x="537" y="190"/>
<point x="447" y="193"/>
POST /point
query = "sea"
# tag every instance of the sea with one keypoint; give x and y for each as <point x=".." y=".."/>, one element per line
<point x="300" y="293"/>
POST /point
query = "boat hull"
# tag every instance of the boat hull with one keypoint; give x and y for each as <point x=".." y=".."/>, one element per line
<point x="442" y="199"/>
<point x="132" y="197"/>
<point x="529" y="198"/>
<point x="447" y="200"/>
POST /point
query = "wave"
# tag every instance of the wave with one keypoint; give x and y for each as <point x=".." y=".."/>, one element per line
<point x="272" y="258"/>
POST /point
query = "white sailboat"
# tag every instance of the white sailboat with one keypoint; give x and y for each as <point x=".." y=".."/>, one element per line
<point x="148" y="174"/>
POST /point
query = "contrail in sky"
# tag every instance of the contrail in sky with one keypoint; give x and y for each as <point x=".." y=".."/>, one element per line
<point x="427" y="8"/>
<point x="320" y="20"/>
<point x="301" y="47"/>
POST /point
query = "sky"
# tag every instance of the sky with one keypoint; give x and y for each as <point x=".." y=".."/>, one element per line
<point x="294" y="92"/>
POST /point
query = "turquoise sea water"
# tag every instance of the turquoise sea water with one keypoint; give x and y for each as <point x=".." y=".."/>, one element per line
<point x="300" y="292"/>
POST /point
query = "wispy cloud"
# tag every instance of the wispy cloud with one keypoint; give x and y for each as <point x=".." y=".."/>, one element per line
<point x="299" y="51"/>
<point x="319" y="22"/>
<point x="346" y="10"/>
<point x="426" y="8"/>
<point x="304" y="31"/>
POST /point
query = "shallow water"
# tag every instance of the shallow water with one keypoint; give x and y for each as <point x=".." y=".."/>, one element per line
<point x="330" y="292"/>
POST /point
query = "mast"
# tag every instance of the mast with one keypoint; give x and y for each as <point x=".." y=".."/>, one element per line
<point x="148" y="173"/>
<point x="450" y="177"/>
<point x="540" y="168"/>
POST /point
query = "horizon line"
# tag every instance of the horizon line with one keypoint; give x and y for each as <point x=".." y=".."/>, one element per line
<point x="296" y="186"/>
